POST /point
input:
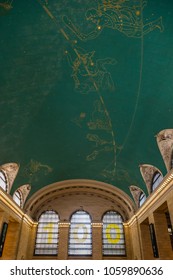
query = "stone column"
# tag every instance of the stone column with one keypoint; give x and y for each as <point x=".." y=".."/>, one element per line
<point x="2" y="215"/>
<point x="63" y="240"/>
<point x="162" y="236"/>
<point x="128" y="242"/>
<point x="3" y="219"/>
<point x="32" y="232"/>
<point x="147" y="251"/>
<point x="97" y="241"/>
<point x="170" y="206"/>
<point x="11" y="241"/>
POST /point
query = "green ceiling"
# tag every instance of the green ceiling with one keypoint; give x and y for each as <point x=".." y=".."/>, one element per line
<point x="82" y="98"/>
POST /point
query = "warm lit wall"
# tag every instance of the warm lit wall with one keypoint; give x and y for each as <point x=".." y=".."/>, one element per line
<point x="66" y="198"/>
<point x="94" y="197"/>
<point x="153" y="212"/>
<point x="19" y="229"/>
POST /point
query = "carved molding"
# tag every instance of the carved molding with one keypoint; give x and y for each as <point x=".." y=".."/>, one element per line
<point x="165" y="144"/>
<point x="24" y="191"/>
<point x="147" y="172"/>
<point x="136" y="192"/>
<point x="10" y="170"/>
<point x="63" y="189"/>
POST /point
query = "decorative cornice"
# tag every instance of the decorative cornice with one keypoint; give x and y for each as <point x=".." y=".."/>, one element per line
<point x="64" y="224"/>
<point x="136" y="192"/>
<point x="10" y="169"/>
<point x="97" y="225"/>
<point x="62" y="188"/>
<point x="147" y="172"/>
<point x="165" y="145"/>
<point x="24" y="190"/>
<point x="7" y="202"/>
<point x="165" y="186"/>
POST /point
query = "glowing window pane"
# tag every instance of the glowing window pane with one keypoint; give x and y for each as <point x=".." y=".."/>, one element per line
<point x="47" y="234"/>
<point x="157" y="178"/>
<point x="113" y="234"/>
<point x="80" y="238"/>
<point x="3" y="181"/>
<point x="142" y="198"/>
<point x="17" y="198"/>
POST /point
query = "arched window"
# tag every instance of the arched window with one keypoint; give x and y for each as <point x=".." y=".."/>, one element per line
<point x="47" y="234"/>
<point x="3" y="181"/>
<point x="157" y="178"/>
<point x="80" y="237"/>
<point x="113" y="234"/>
<point x="17" y="198"/>
<point x="142" y="199"/>
<point x="171" y="164"/>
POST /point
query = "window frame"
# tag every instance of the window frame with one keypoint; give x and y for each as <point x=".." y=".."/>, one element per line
<point x="111" y="248"/>
<point x="142" y="198"/>
<point x="156" y="180"/>
<point x="3" y="179"/>
<point x="43" y="236"/>
<point x="19" y="198"/>
<point x="86" y="233"/>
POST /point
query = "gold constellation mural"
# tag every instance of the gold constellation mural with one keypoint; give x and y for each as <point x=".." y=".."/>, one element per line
<point x="116" y="15"/>
<point x="5" y="7"/>
<point x="89" y="73"/>
<point x="100" y="122"/>
<point x="33" y="167"/>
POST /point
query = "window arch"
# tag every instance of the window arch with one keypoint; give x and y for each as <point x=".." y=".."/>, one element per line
<point x="171" y="163"/>
<point x="156" y="180"/>
<point x="113" y="234"/>
<point x="80" y="236"/>
<point x="17" y="197"/>
<point x="47" y="234"/>
<point x="3" y="181"/>
<point x="142" y="198"/>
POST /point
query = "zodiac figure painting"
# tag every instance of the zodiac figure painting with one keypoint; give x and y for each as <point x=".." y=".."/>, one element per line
<point x="100" y="122"/>
<point x="5" y="6"/>
<point x="90" y="74"/>
<point x="116" y="15"/>
<point x="33" y="167"/>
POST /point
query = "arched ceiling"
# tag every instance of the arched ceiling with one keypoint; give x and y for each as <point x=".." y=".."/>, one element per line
<point x="85" y="86"/>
